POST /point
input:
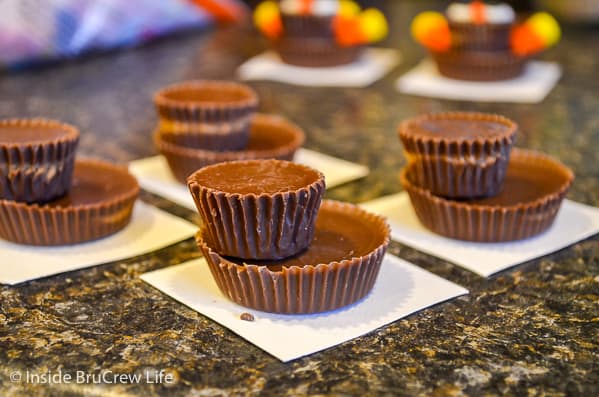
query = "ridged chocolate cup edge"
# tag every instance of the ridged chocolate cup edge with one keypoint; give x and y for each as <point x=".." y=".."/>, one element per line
<point x="480" y="37"/>
<point x="216" y="141"/>
<point x="491" y="223"/>
<point x="459" y="167"/>
<point x="34" y="224"/>
<point x="454" y="180"/>
<point x="414" y="142"/>
<point x="467" y="66"/>
<point x="268" y="226"/>
<point x="315" y="52"/>
<point x="184" y="161"/>
<point x="43" y="168"/>
<point x="301" y="290"/>
<point x="211" y="112"/>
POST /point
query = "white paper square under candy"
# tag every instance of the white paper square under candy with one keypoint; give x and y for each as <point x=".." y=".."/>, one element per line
<point x="401" y="289"/>
<point x="150" y="229"/>
<point x="574" y="222"/>
<point x="154" y="175"/>
<point x="532" y="87"/>
<point x="370" y="67"/>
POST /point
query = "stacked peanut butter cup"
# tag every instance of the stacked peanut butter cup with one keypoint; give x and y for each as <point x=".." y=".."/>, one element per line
<point x="273" y="244"/>
<point x="465" y="181"/>
<point x="209" y="121"/>
<point x="480" y="52"/>
<point x="309" y="40"/>
<point x="47" y="197"/>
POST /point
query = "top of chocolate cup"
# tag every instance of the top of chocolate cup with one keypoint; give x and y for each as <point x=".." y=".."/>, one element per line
<point x="256" y="177"/>
<point x="206" y="101"/>
<point x="258" y="209"/>
<point x="458" y="126"/>
<point x="36" y="131"/>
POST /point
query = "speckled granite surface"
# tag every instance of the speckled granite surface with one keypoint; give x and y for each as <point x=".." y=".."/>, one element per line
<point x="532" y="330"/>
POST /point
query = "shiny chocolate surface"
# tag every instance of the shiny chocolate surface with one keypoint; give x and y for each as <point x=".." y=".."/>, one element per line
<point x="256" y="177"/>
<point x="94" y="184"/>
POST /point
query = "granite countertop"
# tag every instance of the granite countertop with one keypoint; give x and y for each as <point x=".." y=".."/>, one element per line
<point x="531" y="330"/>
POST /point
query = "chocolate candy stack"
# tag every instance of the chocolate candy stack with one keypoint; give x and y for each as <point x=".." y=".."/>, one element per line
<point x="465" y="182"/>
<point x="265" y="246"/>
<point x="37" y="158"/>
<point x="207" y="122"/>
<point x="483" y="42"/>
<point x="48" y="198"/>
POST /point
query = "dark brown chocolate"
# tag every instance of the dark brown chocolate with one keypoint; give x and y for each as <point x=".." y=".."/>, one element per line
<point x="302" y="25"/>
<point x="99" y="203"/>
<point x="256" y="177"/>
<point x="264" y="215"/>
<point x="36" y="159"/>
<point x="460" y="128"/>
<point x="479" y="66"/>
<point x="480" y="36"/>
<point x="271" y="137"/>
<point x="339" y="268"/>
<point x="450" y="127"/>
<point x="315" y="52"/>
<point x="534" y="188"/>
<point x="458" y="154"/>
<point x="219" y="141"/>
<point x="19" y="133"/>
<point x="209" y="102"/>
<point x="309" y="41"/>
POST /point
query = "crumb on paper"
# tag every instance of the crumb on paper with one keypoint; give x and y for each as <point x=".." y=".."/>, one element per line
<point x="247" y="317"/>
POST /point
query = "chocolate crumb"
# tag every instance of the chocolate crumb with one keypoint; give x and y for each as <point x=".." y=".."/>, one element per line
<point x="247" y="317"/>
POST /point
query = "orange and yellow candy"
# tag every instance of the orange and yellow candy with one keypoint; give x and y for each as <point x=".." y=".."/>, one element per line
<point x="268" y="19"/>
<point x="355" y="28"/>
<point x="431" y="29"/>
<point x="537" y="33"/>
<point x="348" y="8"/>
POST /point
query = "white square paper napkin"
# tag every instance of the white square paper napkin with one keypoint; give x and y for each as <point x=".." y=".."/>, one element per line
<point x="371" y="66"/>
<point x="401" y="289"/>
<point x="532" y="87"/>
<point x="154" y="175"/>
<point x="150" y="229"/>
<point x="574" y="222"/>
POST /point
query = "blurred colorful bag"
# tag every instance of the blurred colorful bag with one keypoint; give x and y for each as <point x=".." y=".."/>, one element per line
<point x="37" y="30"/>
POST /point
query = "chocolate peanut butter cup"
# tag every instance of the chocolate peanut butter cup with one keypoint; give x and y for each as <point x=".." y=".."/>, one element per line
<point x="218" y="112"/>
<point x="479" y="65"/>
<point x="271" y="137"/>
<point x="534" y="188"/>
<point x="99" y="203"/>
<point x="458" y="154"/>
<point x="206" y="138"/>
<point x="307" y="25"/>
<point x="258" y="209"/>
<point x="315" y="52"/>
<point x="309" y="41"/>
<point x="36" y="159"/>
<point x="471" y="36"/>
<point x="339" y="268"/>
